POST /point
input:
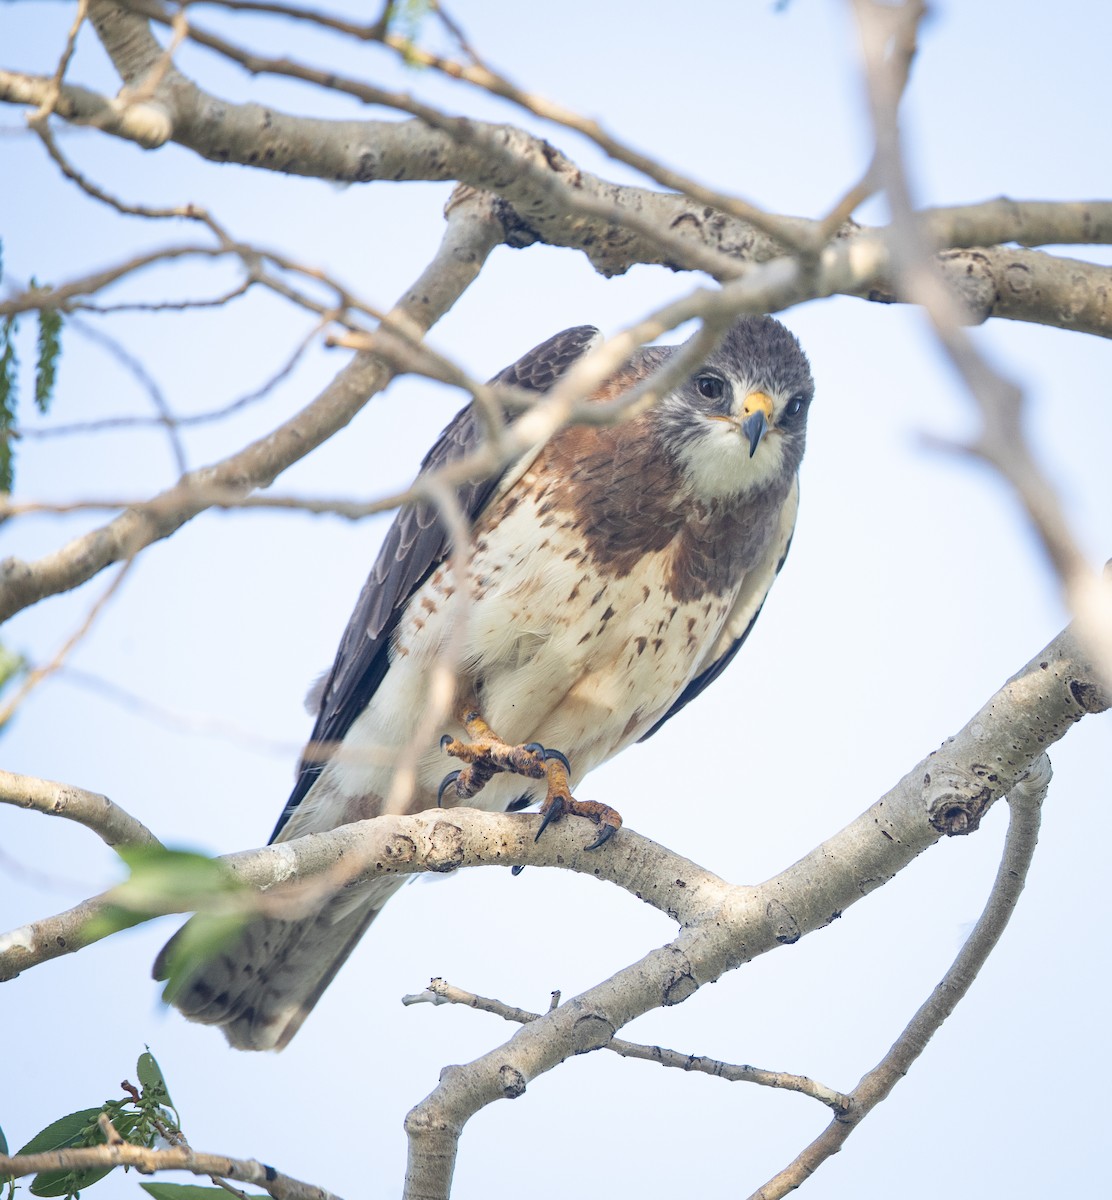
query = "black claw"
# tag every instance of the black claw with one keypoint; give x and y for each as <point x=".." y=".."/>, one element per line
<point x="518" y="869"/>
<point x="536" y="748"/>
<point x="446" y="783"/>
<point x="605" y="833"/>
<point x="558" y="757"/>
<point x="548" y="817"/>
<point x="446" y="741"/>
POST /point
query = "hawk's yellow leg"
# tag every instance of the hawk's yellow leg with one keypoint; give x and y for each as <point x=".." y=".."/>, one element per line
<point x="487" y="754"/>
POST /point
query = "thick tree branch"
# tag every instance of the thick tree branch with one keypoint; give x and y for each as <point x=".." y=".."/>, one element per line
<point x="553" y="201"/>
<point x="947" y="793"/>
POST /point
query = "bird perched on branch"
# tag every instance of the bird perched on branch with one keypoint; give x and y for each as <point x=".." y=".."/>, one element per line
<point x="613" y="574"/>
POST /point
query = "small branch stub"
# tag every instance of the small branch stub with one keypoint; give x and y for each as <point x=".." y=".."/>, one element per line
<point x="955" y="802"/>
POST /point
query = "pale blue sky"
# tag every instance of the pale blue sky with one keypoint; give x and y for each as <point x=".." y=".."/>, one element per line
<point x="912" y="592"/>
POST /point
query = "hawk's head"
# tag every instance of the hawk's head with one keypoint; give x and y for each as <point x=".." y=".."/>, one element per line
<point x="739" y="423"/>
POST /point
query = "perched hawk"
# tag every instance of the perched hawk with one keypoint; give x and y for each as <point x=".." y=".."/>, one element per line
<point x="615" y="574"/>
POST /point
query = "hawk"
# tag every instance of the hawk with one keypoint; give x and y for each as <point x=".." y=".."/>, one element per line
<point x="614" y="574"/>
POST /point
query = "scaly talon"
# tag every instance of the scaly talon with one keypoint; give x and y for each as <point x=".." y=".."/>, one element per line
<point x="553" y="810"/>
<point x="446" y="783"/>
<point x="556" y="756"/>
<point x="605" y="833"/>
<point x="560" y="801"/>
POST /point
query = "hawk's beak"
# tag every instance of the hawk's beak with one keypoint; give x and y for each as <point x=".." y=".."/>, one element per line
<point x="755" y="415"/>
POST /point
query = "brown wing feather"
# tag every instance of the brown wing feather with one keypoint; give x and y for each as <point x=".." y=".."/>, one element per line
<point x="414" y="546"/>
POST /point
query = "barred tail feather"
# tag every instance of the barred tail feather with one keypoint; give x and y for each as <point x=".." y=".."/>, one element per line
<point x="261" y="987"/>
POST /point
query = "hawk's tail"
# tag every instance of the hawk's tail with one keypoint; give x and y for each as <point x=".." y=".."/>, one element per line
<point x="262" y="986"/>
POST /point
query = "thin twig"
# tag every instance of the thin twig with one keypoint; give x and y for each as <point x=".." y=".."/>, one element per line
<point x="166" y="419"/>
<point x="37" y="674"/>
<point x="440" y="990"/>
<point x="54" y="89"/>
<point x="472" y="232"/>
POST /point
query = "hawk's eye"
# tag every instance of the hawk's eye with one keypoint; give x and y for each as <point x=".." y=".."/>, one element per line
<point x="794" y="406"/>
<point x="710" y="387"/>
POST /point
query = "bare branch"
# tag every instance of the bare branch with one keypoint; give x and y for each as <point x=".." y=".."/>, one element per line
<point x="93" y="190"/>
<point x="945" y="794"/>
<point x="166" y="419"/>
<point x="60" y="297"/>
<point x="441" y="991"/>
<point x="147" y="125"/>
<point x="1025" y="801"/>
<point x="471" y="234"/>
<point x="617" y="226"/>
<point x="107" y="820"/>
<point x="178" y="1158"/>
<point x="54" y="87"/>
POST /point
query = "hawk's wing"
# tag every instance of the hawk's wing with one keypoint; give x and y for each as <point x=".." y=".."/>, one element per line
<point x="746" y="610"/>
<point x="415" y="545"/>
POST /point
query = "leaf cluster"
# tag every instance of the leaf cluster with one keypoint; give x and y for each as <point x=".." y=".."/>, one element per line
<point x="142" y="1117"/>
<point x="49" y="349"/>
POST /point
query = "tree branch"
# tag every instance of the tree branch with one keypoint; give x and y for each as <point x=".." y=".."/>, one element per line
<point x="440" y="991"/>
<point x="148" y="1162"/>
<point x="548" y="198"/>
<point x="946" y="794"/>
<point x="471" y="234"/>
<point x="1025" y="801"/>
<point x="107" y="820"/>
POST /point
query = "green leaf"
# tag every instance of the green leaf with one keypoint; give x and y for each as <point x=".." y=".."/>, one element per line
<point x="406" y="20"/>
<point x="200" y="939"/>
<point x="152" y="1079"/>
<point x="188" y="1191"/>
<point x="66" y="1183"/>
<point x="111" y="919"/>
<point x="162" y="880"/>
<point x="3" y="1143"/>
<point x="71" y="1130"/>
<point x="11" y="664"/>
<point x="9" y="391"/>
<point x="75" y="1129"/>
<point x="49" y="351"/>
<point x="161" y="875"/>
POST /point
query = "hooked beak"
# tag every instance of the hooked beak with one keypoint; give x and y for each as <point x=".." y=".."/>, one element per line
<point x="754" y="419"/>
